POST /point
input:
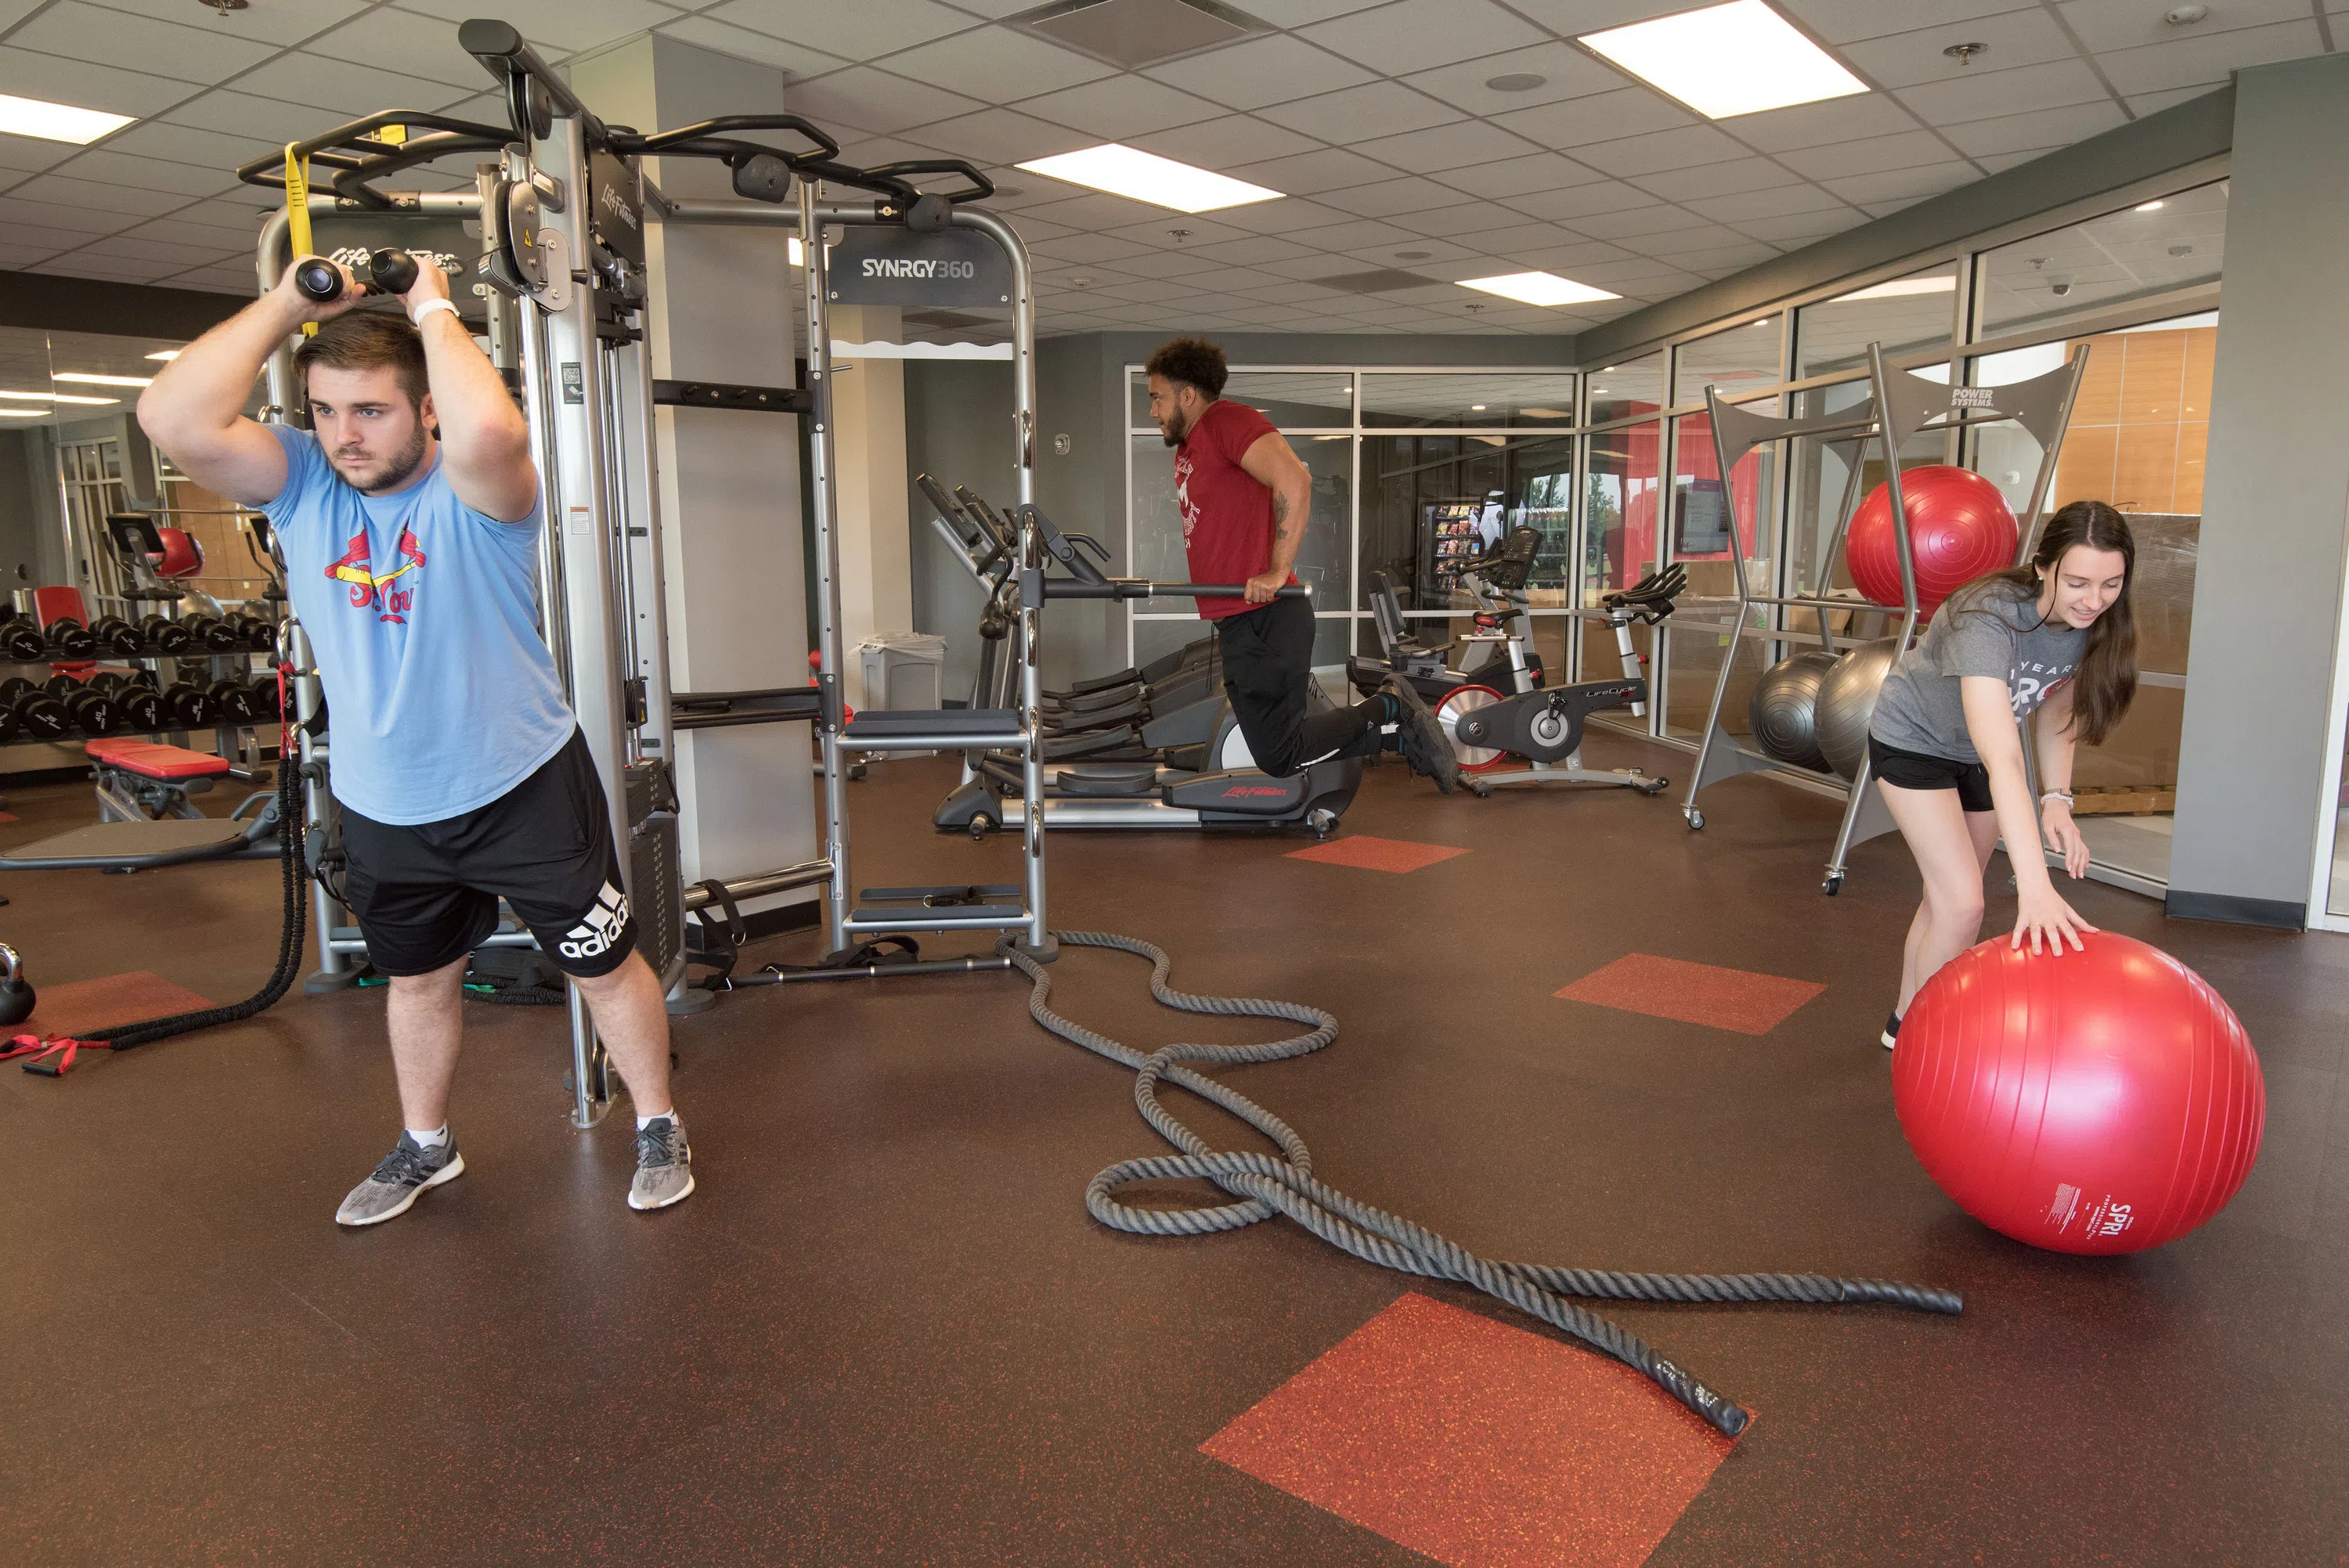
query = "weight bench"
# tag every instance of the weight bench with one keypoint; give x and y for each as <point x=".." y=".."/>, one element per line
<point x="146" y="819"/>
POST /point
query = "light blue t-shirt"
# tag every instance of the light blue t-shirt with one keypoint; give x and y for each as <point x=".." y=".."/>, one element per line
<point x="423" y="615"/>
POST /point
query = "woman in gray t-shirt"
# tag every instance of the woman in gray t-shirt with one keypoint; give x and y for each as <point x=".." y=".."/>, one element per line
<point x="1945" y="745"/>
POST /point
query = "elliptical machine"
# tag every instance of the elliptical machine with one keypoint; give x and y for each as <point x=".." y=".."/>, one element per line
<point x="1528" y="733"/>
<point x="1220" y="788"/>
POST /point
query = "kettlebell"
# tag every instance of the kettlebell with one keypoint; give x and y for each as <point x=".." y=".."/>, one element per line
<point x="15" y="993"/>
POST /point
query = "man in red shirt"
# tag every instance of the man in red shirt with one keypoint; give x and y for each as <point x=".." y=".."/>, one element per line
<point x="1245" y="497"/>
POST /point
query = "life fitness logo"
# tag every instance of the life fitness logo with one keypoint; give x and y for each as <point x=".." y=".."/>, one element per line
<point x="917" y="269"/>
<point x="1241" y="792"/>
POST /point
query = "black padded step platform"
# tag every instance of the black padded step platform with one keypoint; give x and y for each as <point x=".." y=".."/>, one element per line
<point x="132" y="846"/>
<point x="884" y="723"/>
<point x="1139" y="781"/>
<point x="898" y="917"/>
<point x="942" y="897"/>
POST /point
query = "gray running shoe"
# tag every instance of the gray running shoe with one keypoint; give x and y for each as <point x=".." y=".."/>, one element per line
<point x="407" y="1171"/>
<point x="664" y="1166"/>
<point x="1420" y="737"/>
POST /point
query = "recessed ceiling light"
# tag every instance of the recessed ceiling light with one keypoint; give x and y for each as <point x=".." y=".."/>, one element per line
<point x="1765" y="321"/>
<point x="1146" y="177"/>
<point x="1600" y="390"/>
<point x="165" y="354"/>
<point x="93" y="379"/>
<point x="1476" y="407"/>
<point x="1538" y="288"/>
<point x="1944" y="283"/>
<point x="24" y="413"/>
<point x="55" y="398"/>
<point x="2149" y="206"/>
<point x="1550" y="413"/>
<point x="1517" y="82"/>
<point x="56" y="121"/>
<point x="1738" y="58"/>
<point x="1609" y="371"/>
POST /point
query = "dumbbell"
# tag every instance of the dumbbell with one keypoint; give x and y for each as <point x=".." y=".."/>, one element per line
<point x="117" y="636"/>
<point x="260" y="636"/>
<point x="261" y="697"/>
<point x="140" y="703"/>
<point x="389" y="272"/>
<point x="211" y="634"/>
<point x="233" y="699"/>
<point x="187" y="707"/>
<point x="10" y="727"/>
<point x="69" y="639"/>
<point x="165" y="635"/>
<point x="92" y="711"/>
<point x="21" y="641"/>
<point x="39" y="715"/>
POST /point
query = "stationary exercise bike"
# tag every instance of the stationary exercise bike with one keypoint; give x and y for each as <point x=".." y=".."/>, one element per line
<point x="1530" y="734"/>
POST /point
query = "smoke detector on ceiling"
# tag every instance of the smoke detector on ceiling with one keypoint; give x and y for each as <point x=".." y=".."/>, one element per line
<point x="1137" y="33"/>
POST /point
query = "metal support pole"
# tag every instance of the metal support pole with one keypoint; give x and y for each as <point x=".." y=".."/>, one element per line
<point x="815" y="270"/>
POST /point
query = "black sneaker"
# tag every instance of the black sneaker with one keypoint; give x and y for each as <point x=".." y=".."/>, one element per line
<point x="1891" y="1036"/>
<point x="1419" y="737"/>
<point x="407" y="1171"/>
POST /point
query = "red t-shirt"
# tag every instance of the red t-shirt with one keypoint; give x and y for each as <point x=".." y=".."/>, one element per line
<point x="1227" y="515"/>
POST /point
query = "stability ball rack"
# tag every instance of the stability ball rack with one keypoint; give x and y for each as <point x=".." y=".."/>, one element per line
<point x="1900" y="408"/>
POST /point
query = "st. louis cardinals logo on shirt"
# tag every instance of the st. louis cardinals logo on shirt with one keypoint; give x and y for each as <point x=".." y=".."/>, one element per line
<point x="1183" y="495"/>
<point x="2026" y="682"/>
<point x="385" y="595"/>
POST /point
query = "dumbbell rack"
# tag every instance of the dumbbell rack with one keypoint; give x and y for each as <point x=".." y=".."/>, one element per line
<point x="1900" y="408"/>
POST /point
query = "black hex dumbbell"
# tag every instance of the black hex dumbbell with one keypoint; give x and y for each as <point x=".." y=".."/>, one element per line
<point x="117" y="636"/>
<point x="21" y="641"/>
<point x="260" y="635"/>
<point x="234" y="701"/>
<point x="140" y="703"/>
<point x="93" y="711"/>
<point x="39" y="715"/>
<point x="262" y="698"/>
<point x="165" y="635"/>
<point x="69" y="639"/>
<point x="189" y="706"/>
<point x="211" y="634"/>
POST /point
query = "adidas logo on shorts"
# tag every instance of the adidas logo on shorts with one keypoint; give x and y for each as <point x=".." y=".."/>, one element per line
<point x="595" y="935"/>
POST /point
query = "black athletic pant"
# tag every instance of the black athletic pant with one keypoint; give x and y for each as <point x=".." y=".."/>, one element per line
<point x="1268" y="665"/>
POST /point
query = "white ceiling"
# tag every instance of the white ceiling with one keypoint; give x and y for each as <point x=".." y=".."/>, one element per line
<point x="1374" y="117"/>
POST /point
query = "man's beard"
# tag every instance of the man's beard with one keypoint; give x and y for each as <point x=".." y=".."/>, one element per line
<point x="1172" y="432"/>
<point x="401" y="467"/>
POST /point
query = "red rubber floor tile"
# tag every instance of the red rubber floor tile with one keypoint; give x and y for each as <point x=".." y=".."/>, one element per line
<point x="1374" y="854"/>
<point x="1693" y="992"/>
<point x="1479" y="1444"/>
<point x="7" y="816"/>
<point x="107" y="1000"/>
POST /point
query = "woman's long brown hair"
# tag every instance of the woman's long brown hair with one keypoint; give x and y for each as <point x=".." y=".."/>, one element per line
<point x="2105" y="683"/>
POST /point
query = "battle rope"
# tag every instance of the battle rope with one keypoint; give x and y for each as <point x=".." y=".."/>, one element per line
<point x="1266" y="1185"/>
<point x="51" y="1057"/>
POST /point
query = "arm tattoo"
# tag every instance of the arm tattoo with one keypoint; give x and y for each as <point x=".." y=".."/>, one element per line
<point x="1279" y="515"/>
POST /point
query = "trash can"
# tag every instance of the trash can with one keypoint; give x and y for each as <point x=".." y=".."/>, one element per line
<point x="903" y="670"/>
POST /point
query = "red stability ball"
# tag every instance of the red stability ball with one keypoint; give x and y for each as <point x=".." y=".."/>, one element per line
<point x="2102" y="1101"/>
<point x="1959" y="528"/>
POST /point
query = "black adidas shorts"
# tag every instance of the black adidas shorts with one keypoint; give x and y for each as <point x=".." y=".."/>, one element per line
<point x="427" y="895"/>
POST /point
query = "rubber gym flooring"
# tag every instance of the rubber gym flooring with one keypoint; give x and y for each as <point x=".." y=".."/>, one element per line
<point x="886" y="1331"/>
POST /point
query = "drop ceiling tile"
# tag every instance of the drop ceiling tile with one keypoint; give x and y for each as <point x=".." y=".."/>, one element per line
<point x="1008" y="64"/>
<point x="1292" y="215"/>
<point x="1576" y="203"/>
<point x="30" y="154"/>
<point x="1465" y="144"/>
<point x="1848" y="21"/>
<point x="336" y="85"/>
<point x="1199" y="230"/>
<point x="53" y="79"/>
<point x="1092" y="211"/>
<point x="191" y="54"/>
<point x="2154" y="103"/>
<point x="723" y="38"/>
<point x="1508" y="239"/>
<point x="1314" y="173"/>
<point x="1870" y="157"/>
<point x="128" y="248"/>
<point x="199" y="236"/>
<point x="2018" y="91"/>
<point x="1002" y="136"/>
<point x="1660" y="151"/>
<point x="1220" y="144"/>
<point x="2011" y="38"/>
<point x="1577" y="123"/>
<point x="1400" y="200"/>
<point x="2040" y="129"/>
<point x="121" y="205"/>
<point x="1122" y="107"/>
<point x="189" y="144"/>
<point x="1468" y="222"/>
<point x="1734" y="207"/>
<point x="236" y="211"/>
<point x="46" y="239"/>
<point x="852" y="32"/>
<point x="403" y="41"/>
<point x="1565" y="72"/>
<point x="186" y="179"/>
<point x="74" y="264"/>
<point x="1356" y="234"/>
<point x="1738" y="176"/>
<point x="1636" y="223"/>
<point x="2106" y="25"/>
<point x="1086" y="248"/>
<point x="1569" y="259"/>
<point x="1355" y="114"/>
<point x="1900" y="185"/>
<point x="874" y="101"/>
<point x="1254" y="250"/>
<point x="1716" y="261"/>
<point x="210" y="280"/>
<point x="1800" y="228"/>
<point x="1572" y="19"/>
<point x="2207" y="58"/>
<point x="277" y="24"/>
<point x="1818" y="124"/>
<point x="242" y="114"/>
<point x="1259" y="71"/>
<point x="1410" y="34"/>
<point x="1521" y="175"/>
<point x="1997" y="162"/>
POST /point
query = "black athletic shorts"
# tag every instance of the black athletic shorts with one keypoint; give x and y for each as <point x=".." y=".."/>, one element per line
<point x="427" y="895"/>
<point x="1918" y="771"/>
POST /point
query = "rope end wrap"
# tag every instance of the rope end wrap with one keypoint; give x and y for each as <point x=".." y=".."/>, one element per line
<point x="1723" y="1414"/>
<point x="1893" y="1293"/>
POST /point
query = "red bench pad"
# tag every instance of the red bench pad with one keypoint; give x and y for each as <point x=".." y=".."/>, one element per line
<point x="152" y="760"/>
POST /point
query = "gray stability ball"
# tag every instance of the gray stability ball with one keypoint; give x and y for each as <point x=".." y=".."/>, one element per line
<point x="1782" y="709"/>
<point x="1847" y="701"/>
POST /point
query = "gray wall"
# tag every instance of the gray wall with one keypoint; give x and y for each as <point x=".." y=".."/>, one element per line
<point x="24" y="466"/>
<point x="958" y="431"/>
<point x="2267" y="593"/>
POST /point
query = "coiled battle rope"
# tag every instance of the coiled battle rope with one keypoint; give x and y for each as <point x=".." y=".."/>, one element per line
<point x="1265" y="1184"/>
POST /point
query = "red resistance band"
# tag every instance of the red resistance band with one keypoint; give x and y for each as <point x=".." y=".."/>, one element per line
<point x="52" y="1054"/>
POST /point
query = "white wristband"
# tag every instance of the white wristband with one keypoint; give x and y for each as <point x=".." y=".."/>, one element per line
<point x="2063" y="795"/>
<point x="428" y="306"/>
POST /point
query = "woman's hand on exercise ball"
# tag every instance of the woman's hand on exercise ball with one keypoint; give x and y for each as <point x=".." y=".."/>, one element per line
<point x="2043" y="913"/>
<point x="2064" y="837"/>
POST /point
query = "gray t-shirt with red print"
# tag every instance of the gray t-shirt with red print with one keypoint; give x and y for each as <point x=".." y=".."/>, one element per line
<point x="1995" y="632"/>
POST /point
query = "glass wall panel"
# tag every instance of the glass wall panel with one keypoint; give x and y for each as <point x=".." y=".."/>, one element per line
<point x="2149" y="249"/>
<point x="1903" y="313"/>
<point x="1153" y="514"/>
<point x="1696" y="650"/>
<point x="1484" y="401"/>
<point x="1738" y="360"/>
<point x="1292" y="399"/>
<point x="1633" y="387"/>
<point x="1321" y="562"/>
<point x="1432" y="499"/>
<point x="1702" y="508"/>
<point x="1623" y="468"/>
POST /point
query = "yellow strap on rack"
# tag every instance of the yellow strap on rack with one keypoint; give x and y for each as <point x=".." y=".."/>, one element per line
<point x="392" y="136"/>
<point x="297" y="214"/>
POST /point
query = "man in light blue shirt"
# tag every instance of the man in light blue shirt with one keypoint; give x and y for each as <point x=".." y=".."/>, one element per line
<point x="408" y="515"/>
